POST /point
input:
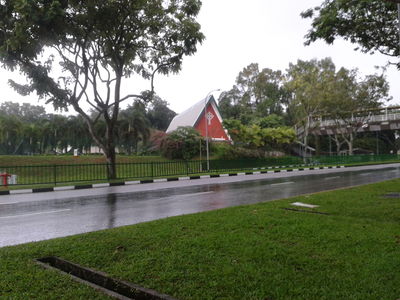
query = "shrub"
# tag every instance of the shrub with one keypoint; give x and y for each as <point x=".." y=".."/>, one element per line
<point x="182" y="143"/>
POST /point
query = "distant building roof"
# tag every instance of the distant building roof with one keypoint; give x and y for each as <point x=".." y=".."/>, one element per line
<point x="190" y="116"/>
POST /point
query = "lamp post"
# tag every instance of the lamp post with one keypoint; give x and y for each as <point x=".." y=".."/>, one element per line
<point x="206" y="120"/>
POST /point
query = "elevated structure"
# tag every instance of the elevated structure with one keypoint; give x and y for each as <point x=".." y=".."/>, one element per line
<point x="204" y="116"/>
<point x="362" y="121"/>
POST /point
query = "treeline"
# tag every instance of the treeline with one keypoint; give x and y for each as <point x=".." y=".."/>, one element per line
<point x="28" y="129"/>
<point x="264" y="98"/>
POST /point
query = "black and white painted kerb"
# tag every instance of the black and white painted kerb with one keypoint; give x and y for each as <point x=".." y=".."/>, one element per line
<point x="102" y="185"/>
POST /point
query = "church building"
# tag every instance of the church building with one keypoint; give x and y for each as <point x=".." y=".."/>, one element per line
<point x="204" y="116"/>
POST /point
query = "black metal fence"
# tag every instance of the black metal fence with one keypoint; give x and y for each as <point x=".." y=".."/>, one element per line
<point x="58" y="174"/>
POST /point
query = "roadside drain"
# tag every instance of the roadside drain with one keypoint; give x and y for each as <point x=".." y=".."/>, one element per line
<point x="392" y="195"/>
<point x="305" y="211"/>
<point x="100" y="281"/>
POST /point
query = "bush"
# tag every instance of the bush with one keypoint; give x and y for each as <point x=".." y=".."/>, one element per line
<point x="227" y="152"/>
<point x="182" y="143"/>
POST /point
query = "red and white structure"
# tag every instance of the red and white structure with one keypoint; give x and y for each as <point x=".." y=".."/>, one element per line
<point x="204" y="116"/>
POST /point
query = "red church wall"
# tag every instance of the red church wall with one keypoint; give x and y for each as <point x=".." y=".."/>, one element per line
<point x="215" y="129"/>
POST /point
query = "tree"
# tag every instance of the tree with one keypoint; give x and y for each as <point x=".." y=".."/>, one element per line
<point x="98" y="44"/>
<point x="182" y="143"/>
<point x="235" y="129"/>
<point x="133" y="127"/>
<point x="11" y="134"/>
<point x="267" y="138"/>
<point x="270" y="121"/>
<point x="231" y="106"/>
<point x="25" y="112"/>
<point x="159" y="114"/>
<point x="257" y="93"/>
<point x="372" y="25"/>
<point x="350" y="100"/>
<point x="258" y="137"/>
<point x="77" y="135"/>
<point x="307" y="82"/>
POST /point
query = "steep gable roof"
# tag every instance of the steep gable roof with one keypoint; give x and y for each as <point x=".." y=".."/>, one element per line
<point x="190" y="116"/>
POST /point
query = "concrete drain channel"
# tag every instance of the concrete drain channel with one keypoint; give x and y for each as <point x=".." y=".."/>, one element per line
<point x="305" y="211"/>
<point x="392" y="195"/>
<point x="117" y="289"/>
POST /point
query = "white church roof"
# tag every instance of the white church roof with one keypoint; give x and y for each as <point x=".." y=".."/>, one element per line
<point x="190" y="116"/>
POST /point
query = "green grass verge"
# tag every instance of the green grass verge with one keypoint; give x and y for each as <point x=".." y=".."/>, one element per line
<point x="66" y="169"/>
<point x="181" y="174"/>
<point x="247" y="252"/>
<point x="34" y="160"/>
<point x="72" y="183"/>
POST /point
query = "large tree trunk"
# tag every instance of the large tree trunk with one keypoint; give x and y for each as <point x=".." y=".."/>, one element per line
<point x="349" y="142"/>
<point x="338" y="144"/>
<point x="317" y="145"/>
<point x="111" y="160"/>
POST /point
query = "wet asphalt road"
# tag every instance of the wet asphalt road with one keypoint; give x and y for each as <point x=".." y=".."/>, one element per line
<point x="34" y="217"/>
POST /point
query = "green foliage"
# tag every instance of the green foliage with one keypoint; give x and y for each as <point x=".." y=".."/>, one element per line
<point x="230" y="152"/>
<point x="372" y="25"/>
<point x="225" y="151"/>
<point x="133" y="128"/>
<point x="308" y="82"/>
<point x="182" y="143"/>
<point x="98" y="45"/>
<point x="318" y="89"/>
<point x="257" y="137"/>
<point x="349" y="94"/>
<point x="247" y="252"/>
<point x="27" y="129"/>
<point x="256" y="94"/>
<point x="267" y="138"/>
<point x="270" y="121"/>
<point x="234" y="128"/>
<point x="159" y="114"/>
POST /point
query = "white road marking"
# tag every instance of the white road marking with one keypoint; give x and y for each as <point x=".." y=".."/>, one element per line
<point x="13" y="192"/>
<point x="161" y="180"/>
<point x="365" y="174"/>
<point x="100" y="185"/>
<point x="35" y="214"/>
<point x="8" y="203"/>
<point x="282" y="183"/>
<point x="63" y="188"/>
<point x="132" y="182"/>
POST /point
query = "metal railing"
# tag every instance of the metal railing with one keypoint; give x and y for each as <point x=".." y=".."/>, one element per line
<point x="354" y="159"/>
<point x="60" y="174"/>
<point x="358" y="118"/>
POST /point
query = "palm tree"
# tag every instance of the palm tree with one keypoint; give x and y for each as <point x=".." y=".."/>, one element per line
<point x="11" y="134"/>
<point x="133" y="128"/>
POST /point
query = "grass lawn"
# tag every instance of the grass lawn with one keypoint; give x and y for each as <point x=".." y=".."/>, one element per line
<point x="247" y="252"/>
<point x="60" y="170"/>
<point x="34" y="160"/>
<point x="50" y="170"/>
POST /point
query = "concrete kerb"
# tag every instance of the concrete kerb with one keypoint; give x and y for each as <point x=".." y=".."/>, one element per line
<point x="102" y="185"/>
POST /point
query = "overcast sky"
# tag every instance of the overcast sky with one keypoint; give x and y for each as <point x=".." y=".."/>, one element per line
<point x="270" y="33"/>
